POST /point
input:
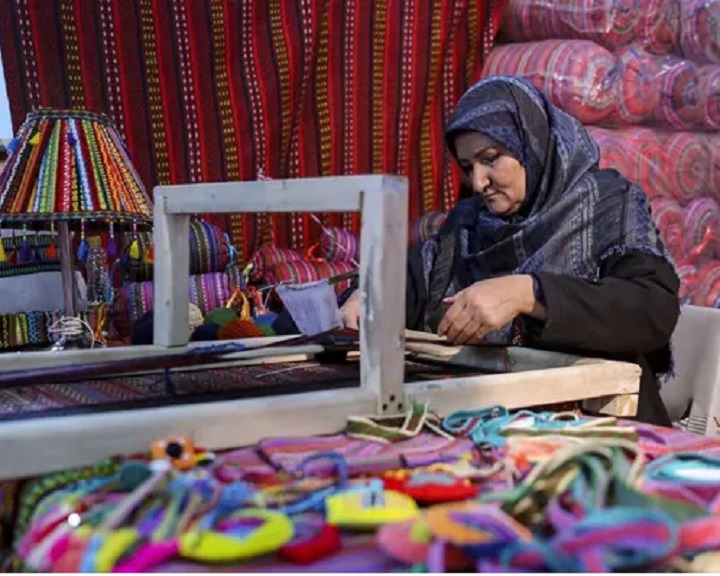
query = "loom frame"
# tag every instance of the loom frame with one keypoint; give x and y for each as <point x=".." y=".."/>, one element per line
<point x="47" y="444"/>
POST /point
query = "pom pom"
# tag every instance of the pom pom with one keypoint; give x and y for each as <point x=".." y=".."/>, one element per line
<point x="51" y="252"/>
<point x="112" y="248"/>
<point x="35" y="140"/>
<point x="239" y="328"/>
<point x="82" y="252"/>
<point x="220" y="316"/>
<point x="3" y="255"/>
<point x="13" y="145"/>
<point x="205" y="333"/>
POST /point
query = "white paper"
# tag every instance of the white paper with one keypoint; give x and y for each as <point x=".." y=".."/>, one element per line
<point x="313" y="306"/>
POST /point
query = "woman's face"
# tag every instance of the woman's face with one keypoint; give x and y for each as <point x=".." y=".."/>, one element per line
<point x="495" y="174"/>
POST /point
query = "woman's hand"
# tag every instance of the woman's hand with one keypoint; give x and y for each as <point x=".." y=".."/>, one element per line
<point x="351" y="311"/>
<point x="486" y="306"/>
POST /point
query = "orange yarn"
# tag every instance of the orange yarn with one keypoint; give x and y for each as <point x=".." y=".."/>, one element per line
<point x="239" y="328"/>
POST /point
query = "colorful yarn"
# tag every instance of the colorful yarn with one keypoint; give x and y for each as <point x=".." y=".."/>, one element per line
<point x="268" y="256"/>
<point x="699" y="39"/>
<point x="669" y="217"/>
<point x="220" y="316"/>
<point x="240" y="328"/>
<point x="651" y="23"/>
<point x="702" y="214"/>
<point x="339" y="245"/>
<point x="205" y="333"/>
<point x="71" y="165"/>
<point x="688" y="165"/>
<point x="577" y="75"/>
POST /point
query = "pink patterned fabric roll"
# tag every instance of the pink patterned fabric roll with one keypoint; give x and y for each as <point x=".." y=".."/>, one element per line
<point x="713" y="141"/>
<point x="646" y="158"/>
<point x="681" y="102"/>
<point x="689" y="276"/>
<point x="610" y="23"/>
<point x="699" y="38"/>
<point x="687" y="165"/>
<point x="669" y="218"/>
<point x="302" y="271"/>
<point x="207" y="291"/>
<point x="709" y="78"/>
<point x="702" y="225"/>
<point x="577" y="75"/>
<point x="268" y="256"/>
<point x="613" y="153"/>
<point x="638" y="87"/>
<point x="707" y="285"/>
<point x="339" y="245"/>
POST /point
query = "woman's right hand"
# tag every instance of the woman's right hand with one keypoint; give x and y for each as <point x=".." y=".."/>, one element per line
<point x="351" y="311"/>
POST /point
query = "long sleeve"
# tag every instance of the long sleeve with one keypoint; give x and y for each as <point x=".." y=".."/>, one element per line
<point x="631" y="309"/>
<point x="415" y="292"/>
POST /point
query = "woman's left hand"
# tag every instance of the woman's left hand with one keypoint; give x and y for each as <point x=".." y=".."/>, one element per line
<point x="486" y="306"/>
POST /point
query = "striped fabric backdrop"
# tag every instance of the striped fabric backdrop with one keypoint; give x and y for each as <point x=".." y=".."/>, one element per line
<point x="217" y="90"/>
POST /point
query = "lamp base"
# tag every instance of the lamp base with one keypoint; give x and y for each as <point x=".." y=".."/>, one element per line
<point x="74" y="334"/>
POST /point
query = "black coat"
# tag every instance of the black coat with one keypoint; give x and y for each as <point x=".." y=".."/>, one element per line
<point x="628" y="314"/>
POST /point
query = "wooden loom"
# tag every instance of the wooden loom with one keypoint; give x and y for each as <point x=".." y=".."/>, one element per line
<point x="523" y="378"/>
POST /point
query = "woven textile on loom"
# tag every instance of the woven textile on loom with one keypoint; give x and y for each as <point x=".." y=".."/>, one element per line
<point x="225" y="90"/>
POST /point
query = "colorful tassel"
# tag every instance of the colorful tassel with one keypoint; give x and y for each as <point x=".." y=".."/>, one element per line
<point x="112" y="245"/>
<point x="134" y="251"/>
<point x="82" y="252"/>
<point x="3" y="255"/>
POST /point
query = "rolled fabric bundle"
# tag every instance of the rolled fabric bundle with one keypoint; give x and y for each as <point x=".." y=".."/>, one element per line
<point x="689" y="277"/>
<point x="713" y="141"/>
<point x="610" y="23"/>
<point x="707" y="285"/>
<point x="303" y="271"/>
<point x="699" y="39"/>
<point x="681" y="103"/>
<point x="702" y="224"/>
<point x="646" y="160"/>
<point x="709" y="78"/>
<point x="578" y="76"/>
<point x="339" y="245"/>
<point x="638" y="87"/>
<point x="669" y="217"/>
<point x="266" y="257"/>
<point x="688" y="162"/>
<point x="613" y="153"/>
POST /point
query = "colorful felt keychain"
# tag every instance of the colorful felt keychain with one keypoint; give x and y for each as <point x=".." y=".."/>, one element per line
<point x="369" y="507"/>
<point x="429" y="487"/>
<point x="314" y="539"/>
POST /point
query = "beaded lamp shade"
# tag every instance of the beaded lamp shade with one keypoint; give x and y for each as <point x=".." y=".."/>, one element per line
<point x="71" y="165"/>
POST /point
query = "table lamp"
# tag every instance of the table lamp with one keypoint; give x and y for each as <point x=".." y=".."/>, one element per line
<point x="70" y="169"/>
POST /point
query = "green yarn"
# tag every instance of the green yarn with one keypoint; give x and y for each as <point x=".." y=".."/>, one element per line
<point x="267" y="330"/>
<point x="220" y="316"/>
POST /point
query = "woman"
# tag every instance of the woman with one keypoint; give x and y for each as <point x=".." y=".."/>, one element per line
<point x="550" y="251"/>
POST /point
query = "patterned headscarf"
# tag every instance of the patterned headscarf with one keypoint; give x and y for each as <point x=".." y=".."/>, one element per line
<point x="575" y="215"/>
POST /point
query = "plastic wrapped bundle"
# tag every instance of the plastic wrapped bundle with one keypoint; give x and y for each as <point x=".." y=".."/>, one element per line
<point x="613" y="153"/>
<point x="687" y="165"/>
<point x="689" y="276"/>
<point x="646" y="160"/>
<point x="611" y="23"/>
<point x="709" y="77"/>
<point x="579" y="76"/>
<point x="713" y="141"/>
<point x="702" y="223"/>
<point x="637" y="89"/>
<point x="669" y="217"/>
<point x="699" y="36"/>
<point x="707" y="285"/>
<point x="681" y="102"/>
